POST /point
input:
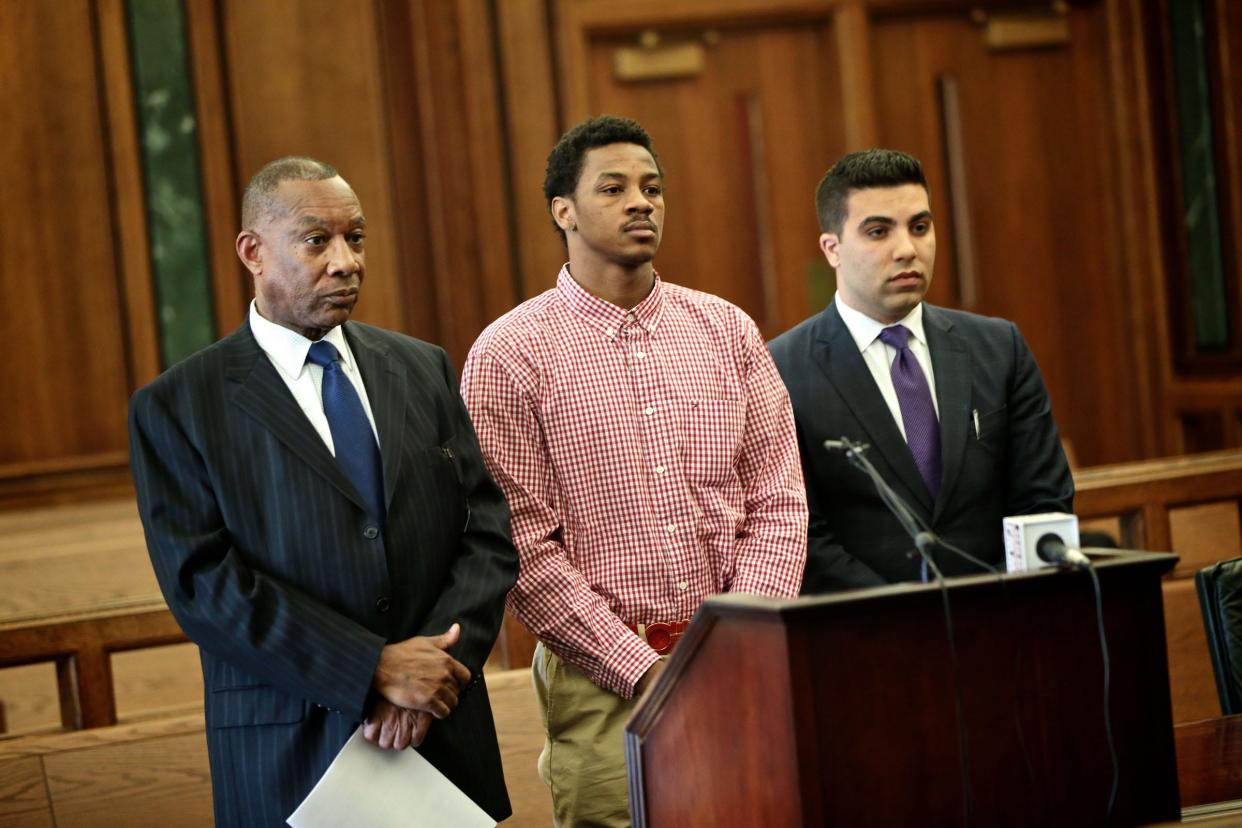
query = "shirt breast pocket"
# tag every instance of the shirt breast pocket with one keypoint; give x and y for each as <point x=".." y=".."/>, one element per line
<point x="712" y="439"/>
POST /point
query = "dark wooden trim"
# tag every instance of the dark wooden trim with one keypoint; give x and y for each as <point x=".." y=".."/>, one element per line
<point x="230" y="283"/>
<point x="81" y="645"/>
<point x="852" y="28"/>
<point x="529" y="100"/>
<point x="125" y="169"/>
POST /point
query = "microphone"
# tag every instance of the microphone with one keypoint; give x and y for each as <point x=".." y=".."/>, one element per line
<point x="1051" y="548"/>
<point x="923" y="537"/>
<point x="1038" y="541"/>
<point x="845" y="445"/>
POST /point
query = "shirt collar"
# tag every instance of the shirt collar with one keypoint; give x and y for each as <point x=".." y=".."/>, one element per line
<point x="288" y="348"/>
<point x="604" y="314"/>
<point x="866" y="330"/>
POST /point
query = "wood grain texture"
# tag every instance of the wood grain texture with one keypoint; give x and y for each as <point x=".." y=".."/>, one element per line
<point x="130" y="224"/>
<point x="60" y="559"/>
<point x="1037" y="173"/>
<point x="1209" y="760"/>
<point x="230" y="282"/>
<point x="64" y="266"/>
<point x="141" y="784"/>
<point x="440" y="61"/>
<point x="30" y="698"/>
<point x="323" y="102"/>
<point x="1191" y="682"/>
<point x="47" y="744"/>
<point x="23" y="795"/>
<point x="715" y="225"/>
<point x="872" y="727"/>
<point x="532" y="127"/>
<point x="1204" y="534"/>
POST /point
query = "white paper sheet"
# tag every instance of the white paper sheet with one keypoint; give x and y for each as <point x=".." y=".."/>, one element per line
<point x="368" y="787"/>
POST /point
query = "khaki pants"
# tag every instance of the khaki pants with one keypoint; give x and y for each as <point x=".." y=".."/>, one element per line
<point x="583" y="758"/>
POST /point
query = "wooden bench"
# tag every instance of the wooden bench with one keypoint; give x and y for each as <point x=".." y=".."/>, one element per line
<point x="81" y="645"/>
<point x="155" y="773"/>
<point x="81" y="602"/>
<point x="82" y="572"/>
<point x="1187" y="505"/>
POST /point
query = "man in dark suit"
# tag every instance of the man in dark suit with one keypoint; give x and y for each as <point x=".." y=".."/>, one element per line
<point x="952" y="404"/>
<point x="338" y="558"/>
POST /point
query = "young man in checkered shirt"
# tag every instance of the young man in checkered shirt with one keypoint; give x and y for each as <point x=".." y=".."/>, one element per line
<point x="646" y="445"/>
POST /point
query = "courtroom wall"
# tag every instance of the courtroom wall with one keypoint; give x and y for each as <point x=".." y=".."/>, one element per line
<point x="1059" y="142"/>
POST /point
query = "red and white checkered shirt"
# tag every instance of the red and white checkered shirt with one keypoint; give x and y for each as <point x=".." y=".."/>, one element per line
<point x="649" y="459"/>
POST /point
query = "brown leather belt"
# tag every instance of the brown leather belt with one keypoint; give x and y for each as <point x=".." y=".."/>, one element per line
<point x="660" y="636"/>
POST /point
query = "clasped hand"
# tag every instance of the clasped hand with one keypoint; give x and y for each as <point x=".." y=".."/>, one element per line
<point x="417" y="680"/>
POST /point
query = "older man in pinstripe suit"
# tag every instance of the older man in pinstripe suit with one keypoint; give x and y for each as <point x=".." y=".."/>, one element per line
<point x="332" y="570"/>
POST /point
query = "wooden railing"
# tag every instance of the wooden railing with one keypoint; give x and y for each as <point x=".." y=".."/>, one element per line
<point x="81" y="645"/>
<point x="154" y="772"/>
<point x="1187" y="505"/>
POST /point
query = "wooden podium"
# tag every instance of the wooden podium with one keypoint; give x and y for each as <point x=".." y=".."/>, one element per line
<point x="840" y="709"/>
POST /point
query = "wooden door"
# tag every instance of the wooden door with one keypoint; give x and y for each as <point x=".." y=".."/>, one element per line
<point x="1017" y="146"/>
<point x="743" y="143"/>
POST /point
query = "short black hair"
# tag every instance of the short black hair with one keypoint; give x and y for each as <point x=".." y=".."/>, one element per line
<point x="565" y="160"/>
<point x="861" y="171"/>
<point x="257" y="200"/>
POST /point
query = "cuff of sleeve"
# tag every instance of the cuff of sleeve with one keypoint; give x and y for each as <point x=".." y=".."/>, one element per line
<point x="357" y="692"/>
<point x="625" y="665"/>
<point x="768" y="589"/>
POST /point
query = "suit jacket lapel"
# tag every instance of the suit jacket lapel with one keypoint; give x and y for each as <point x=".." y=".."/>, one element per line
<point x="256" y="387"/>
<point x="837" y="356"/>
<point x="386" y="383"/>
<point x="951" y="365"/>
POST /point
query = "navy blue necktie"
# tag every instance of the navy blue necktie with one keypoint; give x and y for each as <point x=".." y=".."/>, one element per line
<point x="918" y="414"/>
<point x="356" y="449"/>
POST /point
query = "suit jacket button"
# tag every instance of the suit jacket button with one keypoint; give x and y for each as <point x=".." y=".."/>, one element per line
<point x="382" y="604"/>
<point x="370" y="533"/>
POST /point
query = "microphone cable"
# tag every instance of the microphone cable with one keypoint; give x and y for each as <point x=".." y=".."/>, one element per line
<point x="1108" y="715"/>
<point x="923" y="539"/>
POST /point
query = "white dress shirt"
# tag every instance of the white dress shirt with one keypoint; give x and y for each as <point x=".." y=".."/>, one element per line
<point x="879" y="356"/>
<point x="287" y="349"/>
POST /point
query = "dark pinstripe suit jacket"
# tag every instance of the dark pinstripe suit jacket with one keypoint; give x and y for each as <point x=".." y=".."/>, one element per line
<point x="270" y="564"/>
<point x="1012" y="465"/>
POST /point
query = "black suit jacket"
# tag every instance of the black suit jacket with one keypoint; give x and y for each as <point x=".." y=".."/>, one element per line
<point x="268" y="560"/>
<point x="1013" y="465"/>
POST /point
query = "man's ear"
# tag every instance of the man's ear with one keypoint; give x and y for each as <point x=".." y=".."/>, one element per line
<point x="563" y="212"/>
<point x="830" y="244"/>
<point x="250" y="251"/>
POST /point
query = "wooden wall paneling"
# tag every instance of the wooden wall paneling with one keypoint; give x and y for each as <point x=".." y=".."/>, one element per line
<point x="81" y="317"/>
<point x="742" y="144"/>
<point x="1223" y="29"/>
<point x="129" y="199"/>
<point x="406" y="156"/>
<point x="572" y="63"/>
<point x="231" y="283"/>
<point x="303" y="79"/>
<point x="532" y="126"/>
<point x="857" y="79"/>
<point x="577" y="20"/>
<point x="1041" y="193"/>
<point x="466" y="208"/>
<point x="1139" y="233"/>
<point x="489" y="244"/>
<point x="802" y="134"/>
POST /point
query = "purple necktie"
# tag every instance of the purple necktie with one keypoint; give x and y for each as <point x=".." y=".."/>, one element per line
<point x="918" y="414"/>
